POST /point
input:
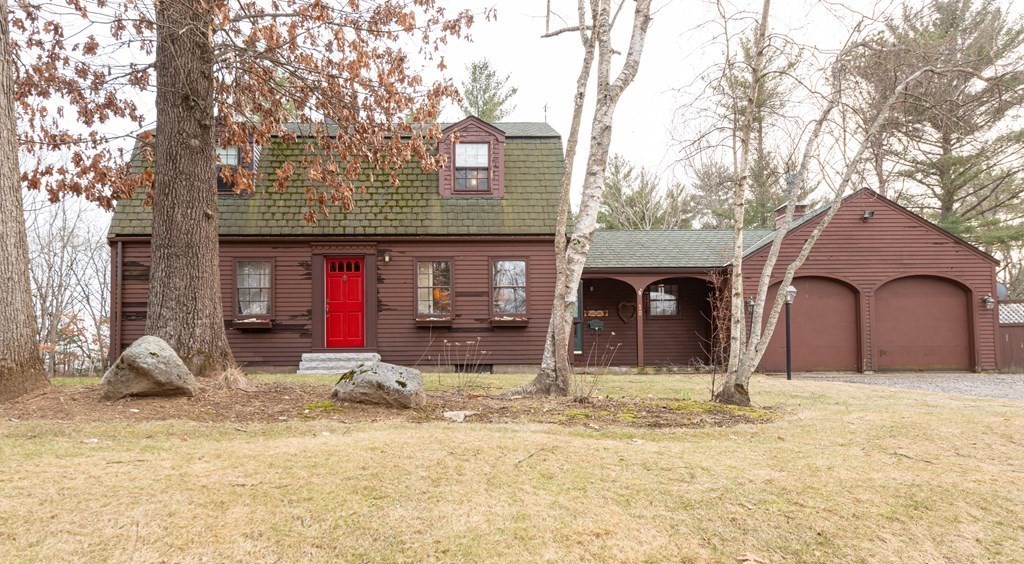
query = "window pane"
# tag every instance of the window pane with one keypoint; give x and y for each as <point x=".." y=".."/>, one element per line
<point x="472" y="180"/>
<point x="472" y="155"/>
<point x="433" y="293"/>
<point x="425" y="275"/>
<point x="424" y="302"/>
<point x="253" y="287"/>
<point x="442" y="273"/>
<point x="663" y="300"/>
<point x="509" y="301"/>
<point x="442" y="301"/>
<point x="509" y="273"/>
<point x="227" y="156"/>
<point x="504" y="301"/>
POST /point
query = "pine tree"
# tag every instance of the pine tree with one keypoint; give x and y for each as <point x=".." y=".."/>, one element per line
<point x="486" y="95"/>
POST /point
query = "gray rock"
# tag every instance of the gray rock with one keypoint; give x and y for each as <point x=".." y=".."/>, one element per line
<point x="149" y="367"/>
<point x="458" y="416"/>
<point x="382" y="384"/>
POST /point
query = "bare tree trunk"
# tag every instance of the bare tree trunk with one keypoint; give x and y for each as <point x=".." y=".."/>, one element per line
<point x="185" y="298"/>
<point x="736" y="387"/>
<point x="571" y="253"/>
<point x="555" y="368"/>
<point x="734" y="390"/>
<point x="21" y="366"/>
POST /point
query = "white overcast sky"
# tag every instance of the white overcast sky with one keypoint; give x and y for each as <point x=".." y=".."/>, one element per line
<point x="681" y="44"/>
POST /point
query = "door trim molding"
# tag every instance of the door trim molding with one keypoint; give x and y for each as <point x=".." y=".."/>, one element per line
<point x="322" y="251"/>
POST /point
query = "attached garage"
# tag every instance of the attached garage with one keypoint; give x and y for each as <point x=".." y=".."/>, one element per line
<point x="922" y="323"/>
<point x="882" y="290"/>
<point x="824" y="328"/>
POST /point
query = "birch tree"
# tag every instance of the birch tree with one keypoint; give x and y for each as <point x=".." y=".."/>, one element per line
<point x="750" y="340"/>
<point x="595" y="24"/>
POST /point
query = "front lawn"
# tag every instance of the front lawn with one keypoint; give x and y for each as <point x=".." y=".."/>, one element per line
<point x="840" y="472"/>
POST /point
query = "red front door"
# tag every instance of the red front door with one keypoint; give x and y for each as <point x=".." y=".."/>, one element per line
<point x="345" y="307"/>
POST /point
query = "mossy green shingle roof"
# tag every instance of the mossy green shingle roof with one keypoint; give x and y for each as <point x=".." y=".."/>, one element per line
<point x="533" y="172"/>
<point x="694" y="248"/>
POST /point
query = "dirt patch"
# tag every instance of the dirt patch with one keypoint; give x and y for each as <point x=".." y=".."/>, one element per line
<point x="273" y="402"/>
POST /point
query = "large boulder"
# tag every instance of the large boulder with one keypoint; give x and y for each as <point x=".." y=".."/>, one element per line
<point x="149" y="367"/>
<point x="382" y="384"/>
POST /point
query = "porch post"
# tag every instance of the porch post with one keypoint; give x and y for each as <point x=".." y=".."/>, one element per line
<point x="640" y="327"/>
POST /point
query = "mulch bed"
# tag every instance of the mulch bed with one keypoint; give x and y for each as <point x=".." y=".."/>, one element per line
<point x="277" y="402"/>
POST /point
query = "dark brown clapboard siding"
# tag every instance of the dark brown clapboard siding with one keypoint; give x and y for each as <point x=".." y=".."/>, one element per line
<point x="680" y="341"/>
<point x="890" y="245"/>
<point x="605" y="296"/>
<point x="399" y="340"/>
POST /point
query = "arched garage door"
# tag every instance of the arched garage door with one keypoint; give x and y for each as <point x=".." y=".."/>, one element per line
<point x="824" y="327"/>
<point x="922" y="323"/>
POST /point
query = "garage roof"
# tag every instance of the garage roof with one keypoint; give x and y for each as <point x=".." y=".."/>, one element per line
<point x="684" y="248"/>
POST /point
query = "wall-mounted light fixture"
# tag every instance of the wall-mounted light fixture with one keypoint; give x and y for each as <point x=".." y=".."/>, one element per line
<point x="989" y="301"/>
<point x="868" y="214"/>
<point x="387" y="257"/>
<point x="750" y="305"/>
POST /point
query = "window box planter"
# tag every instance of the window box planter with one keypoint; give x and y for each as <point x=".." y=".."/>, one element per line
<point x="509" y="322"/>
<point x="433" y="322"/>
<point x="254" y="324"/>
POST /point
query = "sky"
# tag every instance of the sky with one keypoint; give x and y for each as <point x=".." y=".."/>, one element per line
<point x="682" y="44"/>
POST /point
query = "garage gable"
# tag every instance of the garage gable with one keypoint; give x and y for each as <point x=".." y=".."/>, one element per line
<point x="872" y="242"/>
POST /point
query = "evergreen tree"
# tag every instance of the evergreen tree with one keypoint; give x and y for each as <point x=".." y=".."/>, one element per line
<point x="963" y="168"/>
<point x="634" y="200"/>
<point x="486" y="95"/>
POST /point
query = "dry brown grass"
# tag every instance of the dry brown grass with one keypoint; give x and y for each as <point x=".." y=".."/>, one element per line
<point x="234" y="378"/>
<point x="849" y="473"/>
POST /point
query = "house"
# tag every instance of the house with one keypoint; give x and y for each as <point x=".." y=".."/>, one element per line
<point x="457" y="257"/>
<point x="458" y="268"/>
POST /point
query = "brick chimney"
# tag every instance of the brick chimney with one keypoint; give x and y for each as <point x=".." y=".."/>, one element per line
<point x="780" y="214"/>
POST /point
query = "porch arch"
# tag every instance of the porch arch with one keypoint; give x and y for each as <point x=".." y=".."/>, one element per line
<point x="646" y="340"/>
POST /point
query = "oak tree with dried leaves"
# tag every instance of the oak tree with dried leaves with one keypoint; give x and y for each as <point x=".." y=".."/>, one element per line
<point x="227" y="74"/>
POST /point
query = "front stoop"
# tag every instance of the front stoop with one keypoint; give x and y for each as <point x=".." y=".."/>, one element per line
<point x="335" y="363"/>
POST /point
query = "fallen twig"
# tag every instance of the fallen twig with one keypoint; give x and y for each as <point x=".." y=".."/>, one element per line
<point x="898" y="453"/>
<point x="527" y="457"/>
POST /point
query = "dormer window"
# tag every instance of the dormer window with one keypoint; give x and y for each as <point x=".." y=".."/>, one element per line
<point x="472" y="173"/>
<point x="474" y="152"/>
<point x="227" y="156"/>
<point x="231" y="158"/>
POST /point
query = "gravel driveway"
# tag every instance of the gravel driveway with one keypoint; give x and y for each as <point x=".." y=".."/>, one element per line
<point x="1002" y="386"/>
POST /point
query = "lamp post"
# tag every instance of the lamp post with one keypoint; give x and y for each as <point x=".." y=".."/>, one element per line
<point x="790" y="296"/>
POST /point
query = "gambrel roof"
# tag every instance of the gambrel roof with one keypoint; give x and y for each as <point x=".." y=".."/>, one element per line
<point x="533" y="174"/>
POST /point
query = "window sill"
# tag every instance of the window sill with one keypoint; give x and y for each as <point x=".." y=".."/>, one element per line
<point x="252" y="324"/>
<point x="509" y="322"/>
<point x="433" y="322"/>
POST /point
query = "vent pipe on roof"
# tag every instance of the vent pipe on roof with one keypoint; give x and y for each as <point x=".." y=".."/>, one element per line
<point x="780" y="214"/>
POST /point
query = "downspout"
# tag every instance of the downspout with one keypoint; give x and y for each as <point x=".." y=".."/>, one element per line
<point x="115" y="305"/>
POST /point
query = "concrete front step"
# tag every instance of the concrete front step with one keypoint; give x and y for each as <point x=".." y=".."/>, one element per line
<point x="335" y="363"/>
